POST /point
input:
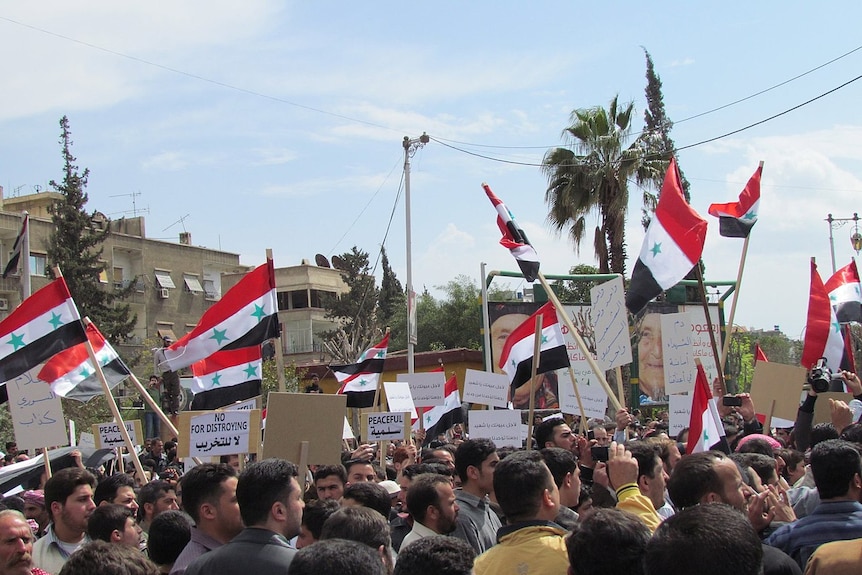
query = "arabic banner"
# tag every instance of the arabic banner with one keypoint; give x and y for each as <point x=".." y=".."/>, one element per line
<point x="107" y="435"/>
<point x="611" y="324"/>
<point x="502" y="426"/>
<point x="386" y="425"/>
<point x="427" y="389"/>
<point x="37" y="415"/>
<point x="486" y="388"/>
<point x="399" y="398"/>
<point x="216" y="433"/>
<point x="677" y="349"/>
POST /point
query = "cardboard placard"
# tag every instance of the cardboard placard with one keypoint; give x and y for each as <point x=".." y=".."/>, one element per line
<point x="107" y="435"/>
<point x="593" y="396"/>
<point x="245" y="405"/>
<point x="677" y="350"/>
<point x="822" y="411"/>
<point x="502" y="426"/>
<point x="37" y="414"/>
<point x="399" y="398"/>
<point x="427" y="389"/>
<point x="679" y="409"/>
<point x="294" y="418"/>
<point x="780" y="383"/>
<point x="486" y="388"/>
<point x="611" y="324"/>
<point x="385" y="426"/>
<point x="215" y="433"/>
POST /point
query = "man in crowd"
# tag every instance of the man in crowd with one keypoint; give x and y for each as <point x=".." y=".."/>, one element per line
<point x="114" y="524"/>
<point x="337" y="556"/>
<point x="118" y="489"/>
<point x="329" y="481"/>
<point x="368" y="494"/>
<point x="69" y="498"/>
<point x="170" y="532"/>
<point x="567" y="476"/>
<point x="209" y="497"/>
<point x="16" y="545"/>
<point x="155" y="497"/>
<point x="359" y="470"/>
<point x="270" y="502"/>
<point x="101" y="558"/>
<point x="652" y="477"/>
<point x="554" y="432"/>
<point x="436" y="555"/>
<point x="34" y="508"/>
<point x="475" y="460"/>
<point x="364" y="526"/>
<point x="530" y="542"/>
<point x="431" y="502"/>
<point x="589" y="543"/>
<point x="314" y="515"/>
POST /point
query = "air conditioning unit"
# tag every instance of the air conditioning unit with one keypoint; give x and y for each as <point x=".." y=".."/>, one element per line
<point x="164" y="293"/>
<point x="4" y="304"/>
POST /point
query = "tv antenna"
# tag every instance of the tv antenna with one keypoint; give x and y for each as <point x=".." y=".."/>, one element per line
<point x="134" y="211"/>
<point x="181" y="221"/>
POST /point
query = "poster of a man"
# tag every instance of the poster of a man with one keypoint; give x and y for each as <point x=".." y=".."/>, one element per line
<point x="647" y="338"/>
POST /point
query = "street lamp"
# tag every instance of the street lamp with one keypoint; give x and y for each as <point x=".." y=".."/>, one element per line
<point x="855" y="238"/>
<point x="410" y="147"/>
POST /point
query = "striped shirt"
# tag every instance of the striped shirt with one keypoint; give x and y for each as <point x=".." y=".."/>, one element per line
<point x="830" y="521"/>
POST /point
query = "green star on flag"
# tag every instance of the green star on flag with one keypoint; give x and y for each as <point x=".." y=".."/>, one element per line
<point x="251" y="371"/>
<point x="258" y="312"/>
<point x="216" y="380"/>
<point x="363" y="382"/>
<point x="56" y="320"/>
<point x="16" y="341"/>
<point x="656" y="248"/>
<point x="750" y="216"/>
<point x="219" y="336"/>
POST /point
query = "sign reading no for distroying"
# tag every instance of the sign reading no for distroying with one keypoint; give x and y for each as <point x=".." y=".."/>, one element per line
<point x="220" y="433"/>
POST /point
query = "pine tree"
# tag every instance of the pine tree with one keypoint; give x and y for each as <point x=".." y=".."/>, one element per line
<point x="392" y="297"/>
<point x="75" y="247"/>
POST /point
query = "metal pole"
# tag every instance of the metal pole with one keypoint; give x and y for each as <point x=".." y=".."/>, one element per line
<point x="486" y="321"/>
<point x="831" y="241"/>
<point x="410" y="147"/>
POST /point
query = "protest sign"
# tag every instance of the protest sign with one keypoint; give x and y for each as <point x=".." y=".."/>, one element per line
<point x="426" y="389"/>
<point x="312" y="418"/>
<point x="593" y="395"/>
<point x="347" y="432"/>
<point x="779" y="383"/>
<point x="611" y="324"/>
<point x="677" y="349"/>
<point x="679" y="408"/>
<point x="107" y="435"/>
<point x="486" y="388"/>
<point x="37" y="415"/>
<point x="502" y="426"/>
<point x="245" y="405"/>
<point x="399" y="398"/>
<point x="215" y="433"/>
<point x="385" y="426"/>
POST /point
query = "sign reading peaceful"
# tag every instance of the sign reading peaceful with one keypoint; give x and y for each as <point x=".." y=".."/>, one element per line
<point x="215" y="433"/>
<point x="399" y="398"/>
<point x="502" y="426"/>
<point x="427" y="389"/>
<point x="385" y="426"/>
<point x="486" y="388"/>
<point x="107" y="435"/>
<point x="679" y="368"/>
<point x="611" y="324"/>
<point x="37" y="415"/>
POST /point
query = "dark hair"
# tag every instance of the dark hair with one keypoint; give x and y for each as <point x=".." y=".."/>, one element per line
<point x="560" y="461"/>
<point x="64" y="483"/>
<point x="102" y="558"/>
<point x="605" y="529"/>
<point x="713" y="539"/>
<point x="326" y="470"/>
<point x="757" y="445"/>
<point x="436" y="555"/>
<point x="472" y="453"/>
<point x="106" y="519"/>
<point x="544" y="432"/>
<point x="822" y="432"/>
<point x="362" y="525"/>
<point x="763" y="465"/>
<point x="336" y="556"/>
<point x="316" y="513"/>
<point x="108" y="487"/>
<point x="417" y="469"/>
<point x="262" y="485"/>
<point x="852" y="433"/>
<point x="371" y="495"/>
<point x="351" y="462"/>
<point x="423" y="493"/>
<point x="150" y="493"/>
<point x="834" y="462"/>
<point x="693" y="477"/>
<point x="204" y="484"/>
<point x="647" y="454"/>
<point x="169" y="533"/>
<point x="520" y="480"/>
<point x="792" y="458"/>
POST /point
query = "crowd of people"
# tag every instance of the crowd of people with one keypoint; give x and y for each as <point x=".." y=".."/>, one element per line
<point x="601" y="497"/>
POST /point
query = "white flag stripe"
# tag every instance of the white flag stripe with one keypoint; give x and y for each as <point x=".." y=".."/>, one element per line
<point x="66" y="384"/>
<point x="38" y="327"/>
<point x="523" y="349"/>
<point x="665" y="274"/>
<point x="226" y="377"/>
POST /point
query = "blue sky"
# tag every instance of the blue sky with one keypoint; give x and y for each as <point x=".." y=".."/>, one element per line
<point x="279" y="124"/>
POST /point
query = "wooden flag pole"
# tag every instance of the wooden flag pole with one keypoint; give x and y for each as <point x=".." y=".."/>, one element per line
<point x="47" y="463"/>
<point x="578" y="398"/>
<point x="537" y="346"/>
<point x="600" y="375"/>
<point x="729" y="332"/>
<point x="379" y="385"/>
<point x="279" y="353"/>
<point x="709" y="327"/>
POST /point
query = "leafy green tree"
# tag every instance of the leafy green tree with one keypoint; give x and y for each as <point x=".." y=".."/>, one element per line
<point x="269" y="382"/>
<point x="592" y="174"/>
<point x="75" y="247"/>
<point x="571" y="291"/>
<point x="741" y="352"/>
<point x="392" y="304"/>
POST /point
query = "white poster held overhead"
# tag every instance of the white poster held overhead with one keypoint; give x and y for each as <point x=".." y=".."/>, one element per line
<point x="502" y="426"/>
<point x="426" y="389"/>
<point x="679" y="407"/>
<point x="108" y="434"/>
<point x="220" y="433"/>
<point x="677" y="350"/>
<point x="593" y="396"/>
<point x="486" y="388"/>
<point x="385" y="426"/>
<point x="611" y="324"/>
<point x="37" y="415"/>
<point x="399" y="398"/>
<point x="347" y="431"/>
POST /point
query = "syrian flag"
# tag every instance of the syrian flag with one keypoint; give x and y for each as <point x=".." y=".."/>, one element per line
<point x="736" y="219"/>
<point x="72" y="374"/>
<point x="247" y="315"/>
<point x="440" y="418"/>
<point x="823" y="336"/>
<point x="12" y="265"/>
<point x="226" y="377"/>
<point x="359" y="380"/>
<point x="514" y="238"/>
<point x="759" y="354"/>
<point x="706" y="431"/>
<point x="43" y="325"/>
<point x="517" y="356"/>
<point x="845" y="293"/>
<point x="672" y="246"/>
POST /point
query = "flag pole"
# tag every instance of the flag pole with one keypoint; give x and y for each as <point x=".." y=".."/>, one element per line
<point x="600" y="375"/>
<point x="709" y="327"/>
<point x="26" y="287"/>
<point x="583" y="424"/>
<point x="537" y="348"/>
<point x="279" y="352"/>
<point x="379" y="385"/>
<point x="728" y="335"/>
<point x="47" y="463"/>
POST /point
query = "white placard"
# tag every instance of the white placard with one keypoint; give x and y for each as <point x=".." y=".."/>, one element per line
<point x="219" y="433"/>
<point x="108" y="434"/>
<point x="700" y="340"/>
<point x="486" y="388"/>
<point x="347" y="431"/>
<point x="37" y="415"/>
<point x="426" y="389"/>
<point x="677" y="351"/>
<point x="679" y="407"/>
<point x="87" y="440"/>
<point x="593" y="396"/>
<point x="502" y="426"/>
<point x="385" y="426"/>
<point x="611" y="324"/>
<point x="399" y="398"/>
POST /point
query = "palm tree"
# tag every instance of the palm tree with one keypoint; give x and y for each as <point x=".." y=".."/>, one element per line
<point x="593" y="174"/>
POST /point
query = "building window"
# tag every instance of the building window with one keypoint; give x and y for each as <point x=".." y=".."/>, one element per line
<point x="164" y="279"/>
<point x="210" y="289"/>
<point x="282" y="298"/>
<point x="164" y="330"/>
<point x="299" y="299"/>
<point x="38" y="264"/>
<point x="319" y="298"/>
<point x="193" y="284"/>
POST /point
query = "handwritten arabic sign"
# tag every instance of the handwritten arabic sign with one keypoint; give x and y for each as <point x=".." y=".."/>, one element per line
<point x="385" y="426"/>
<point x="215" y="433"/>
<point x="700" y="340"/>
<point x="610" y="324"/>
<point x="502" y="426"/>
<point x="107" y="435"/>
<point x="486" y="388"/>
<point x="679" y="407"/>
<point x="37" y="415"/>
<point x="593" y="396"/>
<point x="679" y="368"/>
<point x="399" y="398"/>
<point x="427" y="389"/>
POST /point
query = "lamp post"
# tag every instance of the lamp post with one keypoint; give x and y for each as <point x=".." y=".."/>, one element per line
<point x="855" y="237"/>
<point x="410" y="147"/>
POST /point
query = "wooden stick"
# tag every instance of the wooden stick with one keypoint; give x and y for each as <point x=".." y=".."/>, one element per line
<point x="709" y="327"/>
<point x="619" y="373"/>
<point x="729" y="324"/>
<point x="47" y="463"/>
<point x="600" y="375"/>
<point x="121" y="465"/>
<point x="537" y="348"/>
<point x="578" y="398"/>
<point x="279" y="353"/>
<point x="303" y="462"/>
